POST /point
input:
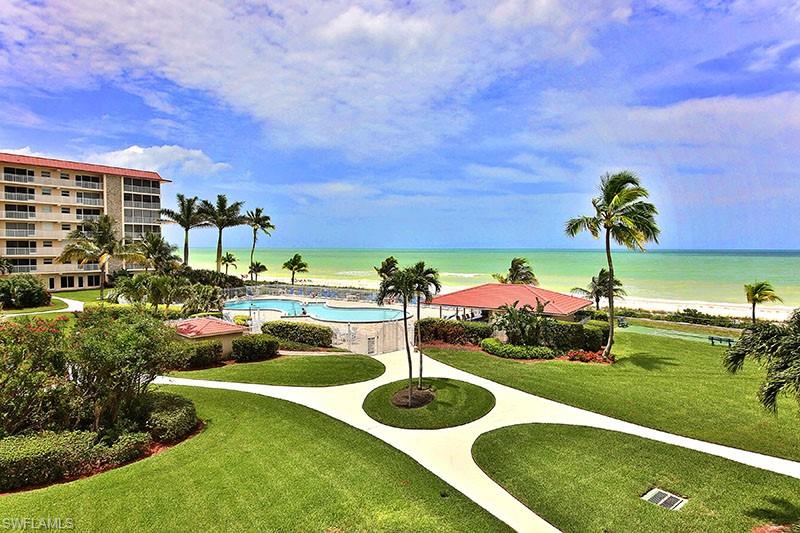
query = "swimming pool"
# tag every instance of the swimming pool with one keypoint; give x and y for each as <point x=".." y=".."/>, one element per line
<point x="318" y="310"/>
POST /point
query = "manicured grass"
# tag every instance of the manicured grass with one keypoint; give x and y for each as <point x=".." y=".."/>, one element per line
<point x="55" y="305"/>
<point x="686" y="328"/>
<point x="584" y="479"/>
<point x="670" y="384"/>
<point x="261" y="464"/>
<point x="85" y="295"/>
<point x="456" y="403"/>
<point x="297" y="370"/>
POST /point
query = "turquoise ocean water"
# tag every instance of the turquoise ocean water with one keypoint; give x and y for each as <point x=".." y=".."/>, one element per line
<point x="715" y="276"/>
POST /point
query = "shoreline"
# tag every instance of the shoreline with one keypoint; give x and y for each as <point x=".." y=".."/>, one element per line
<point x="738" y="310"/>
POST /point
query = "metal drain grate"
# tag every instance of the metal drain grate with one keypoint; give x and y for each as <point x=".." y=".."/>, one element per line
<point x="664" y="499"/>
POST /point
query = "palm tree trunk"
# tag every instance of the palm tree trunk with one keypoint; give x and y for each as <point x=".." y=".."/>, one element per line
<point x="610" y="295"/>
<point x="754" y="313"/>
<point x="419" y="341"/>
<point x="597" y="303"/>
<point x="408" y="350"/>
<point x="186" y="247"/>
<point x="103" y="280"/>
<point x="219" y="251"/>
<point x="253" y="249"/>
<point x="292" y="277"/>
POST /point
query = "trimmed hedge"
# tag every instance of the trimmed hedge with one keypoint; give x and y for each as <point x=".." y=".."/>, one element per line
<point x="117" y="310"/>
<point x="192" y="355"/>
<point x="511" y="351"/>
<point x="254" y="348"/>
<point x="452" y="331"/>
<point x="312" y="334"/>
<point x="21" y="291"/>
<point x="171" y="417"/>
<point x="48" y="457"/>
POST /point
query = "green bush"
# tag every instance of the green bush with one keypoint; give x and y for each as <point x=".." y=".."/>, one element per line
<point x="452" y="331"/>
<point x="512" y="351"/>
<point x="23" y="290"/>
<point x="592" y="338"/>
<point x="170" y="417"/>
<point x="44" y="457"/>
<point x="192" y="355"/>
<point x="127" y="448"/>
<point x="120" y="310"/>
<point x="254" y="348"/>
<point x="312" y="334"/>
<point x="241" y="320"/>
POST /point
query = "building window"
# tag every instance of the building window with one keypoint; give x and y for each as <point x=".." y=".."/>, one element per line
<point x="67" y="282"/>
<point x="52" y="283"/>
<point x="65" y="194"/>
<point x="47" y="261"/>
<point x="93" y="280"/>
<point x="80" y="282"/>
<point x="65" y="210"/>
<point x="64" y="176"/>
<point x="47" y="244"/>
<point x="65" y="227"/>
<point x="46" y="174"/>
<point x="47" y="192"/>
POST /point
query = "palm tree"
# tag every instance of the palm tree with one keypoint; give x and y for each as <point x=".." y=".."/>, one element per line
<point x="97" y="242"/>
<point x="258" y="222"/>
<point x="296" y="265"/>
<point x="598" y="288"/>
<point x="387" y="267"/>
<point x="401" y="284"/>
<point x="229" y="260"/>
<point x="5" y="266"/>
<point x="519" y="273"/>
<point x="623" y="215"/>
<point x="203" y="299"/>
<point x="425" y="278"/>
<point x="256" y="269"/>
<point x="187" y="216"/>
<point x="157" y="252"/>
<point x="760" y="292"/>
<point x="221" y="215"/>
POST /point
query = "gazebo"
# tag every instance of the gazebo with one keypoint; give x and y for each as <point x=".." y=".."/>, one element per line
<point x="486" y="299"/>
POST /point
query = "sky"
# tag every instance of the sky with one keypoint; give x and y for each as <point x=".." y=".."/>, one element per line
<point x="403" y="124"/>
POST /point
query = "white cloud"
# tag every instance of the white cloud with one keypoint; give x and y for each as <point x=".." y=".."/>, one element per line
<point x="191" y="162"/>
<point x="25" y="150"/>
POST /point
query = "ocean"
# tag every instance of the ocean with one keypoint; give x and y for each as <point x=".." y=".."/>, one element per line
<point x="713" y="276"/>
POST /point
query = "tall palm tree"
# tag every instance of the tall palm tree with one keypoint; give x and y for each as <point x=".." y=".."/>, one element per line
<point x="5" y="266"/>
<point x="97" y="242"/>
<point x="401" y="284"/>
<point x="519" y="273"/>
<point x="221" y="215"/>
<point x="157" y="252"/>
<point x="598" y="288"/>
<point x="387" y="267"/>
<point x="296" y="265"/>
<point x="622" y="214"/>
<point x="258" y="222"/>
<point x="256" y="268"/>
<point x="187" y="216"/>
<point x="425" y="278"/>
<point x="228" y="260"/>
<point x="760" y="292"/>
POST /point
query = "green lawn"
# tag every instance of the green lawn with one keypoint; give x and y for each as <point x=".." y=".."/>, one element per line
<point x="670" y="384"/>
<point x="456" y="403"/>
<point x="297" y="370"/>
<point x="261" y="464"/>
<point x="584" y="479"/>
<point x="686" y="328"/>
<point x="85" y="295"/>
<point x="55" y="305"/>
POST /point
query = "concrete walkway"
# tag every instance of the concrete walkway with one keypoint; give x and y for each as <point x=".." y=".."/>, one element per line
<point x="448" y="452"/>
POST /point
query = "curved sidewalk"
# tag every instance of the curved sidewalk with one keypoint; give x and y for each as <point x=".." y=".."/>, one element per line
<point x="448" y="452"/>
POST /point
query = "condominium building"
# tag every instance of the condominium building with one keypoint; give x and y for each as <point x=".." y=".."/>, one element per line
<point x="45" y="199"/>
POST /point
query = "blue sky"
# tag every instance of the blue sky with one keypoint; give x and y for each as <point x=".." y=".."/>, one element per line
<point x="425" y="124"/>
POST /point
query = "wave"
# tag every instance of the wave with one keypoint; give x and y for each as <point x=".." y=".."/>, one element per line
<point x="462" y="274"/>
<point x="356" y="273"/>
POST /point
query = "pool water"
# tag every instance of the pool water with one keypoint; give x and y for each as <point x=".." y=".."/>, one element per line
<point x="319" y="311"/>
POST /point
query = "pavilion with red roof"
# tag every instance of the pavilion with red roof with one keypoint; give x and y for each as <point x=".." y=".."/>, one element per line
<point x="490" y="297"/>
<point x="207" y="328"/>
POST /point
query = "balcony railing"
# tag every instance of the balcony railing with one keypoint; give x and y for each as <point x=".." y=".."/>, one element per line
<point x="36" y="233"/>
<point x="19" y="214"/>
<point x="90" y="201"/>
<point x="87" y="217"/>
<point x="39" y="215"/>
<point x="142" y="220"/>
<point x="141" y="205"/>
<point x="54" y="269"/>
<point x="21" y="269"/>
<point x="38" y="180"/>
<point x="140" y="189"/>
<point x="20" y="251"/>
<point x="51" y="199"/>
<point x="19" y="196"/>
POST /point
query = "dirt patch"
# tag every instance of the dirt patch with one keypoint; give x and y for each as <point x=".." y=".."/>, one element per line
<point x="419" y="398"/>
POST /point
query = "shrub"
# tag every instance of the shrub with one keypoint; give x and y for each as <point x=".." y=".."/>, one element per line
<point x="690" y="316"/>
<point x="512" y="351"/>
<point x="586" y="356"/>
<point x="312" y="334"/>
<point x="452" y="331"/>
<point x="254" y="348"/>
<point x="44" y="457"/>
<point x="211" y="277"/>
<point x="120" y="310"/>
<point x="241" y="320"/>
<point x="203" y="299"/>
<point x="127" y="448"/>
<point x="170" y="417"/>
<point x="23" y="290"/>
<point x="191" y="355"/>
<point x="593" y="338"/>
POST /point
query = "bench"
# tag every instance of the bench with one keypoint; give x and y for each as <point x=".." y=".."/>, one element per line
<point x="722" y="340"/>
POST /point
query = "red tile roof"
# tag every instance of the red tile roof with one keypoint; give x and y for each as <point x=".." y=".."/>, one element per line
<point x="496" y="295"/>
<point x="61" y="164"/>
<point x="206" y="327"/>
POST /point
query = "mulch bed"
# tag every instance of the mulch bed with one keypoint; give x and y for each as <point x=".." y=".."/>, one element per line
<point x="449" y="346"/>
<point x="419" y="398"/>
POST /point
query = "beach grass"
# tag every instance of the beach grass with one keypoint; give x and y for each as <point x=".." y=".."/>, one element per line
<point x="295" y="370"/>
<point x="585" y="479"/>
<point x="675" y="385"/>
<point x="261" y="464"/>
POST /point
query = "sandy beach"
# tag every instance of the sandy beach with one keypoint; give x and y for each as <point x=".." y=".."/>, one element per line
<point x="767" y="312"/>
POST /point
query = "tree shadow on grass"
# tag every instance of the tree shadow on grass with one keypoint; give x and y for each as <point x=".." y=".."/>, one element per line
<point x="782" y="511"/>
<point x="647" y="361"/>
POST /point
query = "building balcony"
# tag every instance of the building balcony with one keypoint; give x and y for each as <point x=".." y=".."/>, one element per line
<point x="38" y="215"/>
<point x="51" y="199"/>
<point x="34" y="234"/>
<point x="140" y="189"/>
<point x="52" y="182"/>
<point x="50" y="251"/>
<point x="141" y="205"/>
<point x="54" y="269"/>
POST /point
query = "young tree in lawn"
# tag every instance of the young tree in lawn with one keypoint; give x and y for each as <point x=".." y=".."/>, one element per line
<point x="401" y="284"/>
<point x="426" y="284"/>
<point x="187" y="216"/>
<point x="760" y="292"/>
<point x="519" y="273"/>
<point x="623" y="215"/>
<point x="97" y="242"/>
<point x="221" y="215"/>
<point x="257" y="268"/>
<point x="259" y="223"/>
<point x="228" y="260"/>
<point x="598" y="288"/>
<point x="296" y="265"/>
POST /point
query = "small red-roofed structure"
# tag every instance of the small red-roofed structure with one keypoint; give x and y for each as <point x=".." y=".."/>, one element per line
<point x="206" y="328"/>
